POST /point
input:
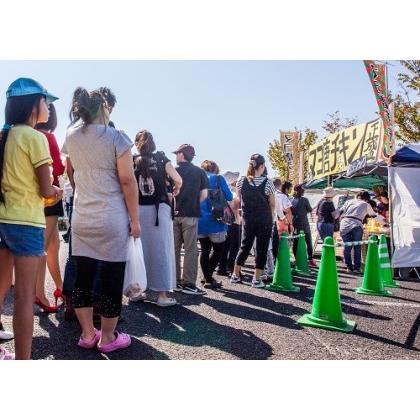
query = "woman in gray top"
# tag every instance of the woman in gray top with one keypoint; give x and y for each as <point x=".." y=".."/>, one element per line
<point x="104" y="214"/>
<point x="351" y="227"/>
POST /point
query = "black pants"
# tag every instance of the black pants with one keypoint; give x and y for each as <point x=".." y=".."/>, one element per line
<point x="111" y="280"/>
<point x="308" y="239"/>
<point x="231" y="248"/>
<point x="209" y="263"/>
<point x="261" y="231"/>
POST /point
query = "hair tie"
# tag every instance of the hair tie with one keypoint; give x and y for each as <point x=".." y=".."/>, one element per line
<point x="6" y="127"/>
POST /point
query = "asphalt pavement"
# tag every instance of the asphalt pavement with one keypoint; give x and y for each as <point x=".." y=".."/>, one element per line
<point x="239" y="322"/>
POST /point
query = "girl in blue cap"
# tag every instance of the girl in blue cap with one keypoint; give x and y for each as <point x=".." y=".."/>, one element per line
<point x="24" y="181"/>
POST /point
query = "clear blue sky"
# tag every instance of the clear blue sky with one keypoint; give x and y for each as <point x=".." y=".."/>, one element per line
<point x="226" y="109"/>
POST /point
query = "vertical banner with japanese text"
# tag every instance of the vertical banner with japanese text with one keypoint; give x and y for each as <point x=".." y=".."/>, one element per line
<point x="335" y="153"/>
<point x="377" y="76"/>
<point x="290" y="142"/>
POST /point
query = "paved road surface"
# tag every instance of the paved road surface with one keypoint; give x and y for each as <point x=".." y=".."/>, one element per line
<point x="238" y="322"/>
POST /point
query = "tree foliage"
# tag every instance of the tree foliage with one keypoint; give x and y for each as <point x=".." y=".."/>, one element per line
<point x="335" y="123"/>
<point x="407" y="110"/>
<point x="277" y="159"/>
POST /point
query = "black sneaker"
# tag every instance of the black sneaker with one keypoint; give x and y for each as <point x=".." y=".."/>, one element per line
<point x="357" y="271"/>
<point x="192" y="289"/>
<point x="213" y="284"/>
<point x="179" y="287"/>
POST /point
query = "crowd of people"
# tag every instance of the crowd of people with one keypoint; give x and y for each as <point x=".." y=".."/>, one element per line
<point x="111" y="194"/>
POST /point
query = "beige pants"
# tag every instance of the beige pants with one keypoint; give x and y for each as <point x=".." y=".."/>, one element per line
<point x="185" y="232"/>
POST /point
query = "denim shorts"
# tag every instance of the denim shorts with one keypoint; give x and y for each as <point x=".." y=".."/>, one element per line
<point x="22" y="240"/>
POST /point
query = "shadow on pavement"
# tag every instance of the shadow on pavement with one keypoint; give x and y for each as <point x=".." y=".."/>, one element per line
<point x="62" y="339"/>
<point x="180" y="325"/>
<point x="384" y="340"/>
<point x="411" y="338"/>
<point x="259" y="301"/>
<point x="176" y="324"/>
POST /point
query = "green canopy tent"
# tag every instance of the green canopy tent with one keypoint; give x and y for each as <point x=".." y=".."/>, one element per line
<point x="365" y="182"/>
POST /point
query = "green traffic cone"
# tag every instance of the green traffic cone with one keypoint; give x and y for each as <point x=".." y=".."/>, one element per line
<point x="282" y="279"/>
<point x="301" y="259"/>
<point x="326" y="308"/>
<point x="385" y="270"/>
<point x="372" y="282"/>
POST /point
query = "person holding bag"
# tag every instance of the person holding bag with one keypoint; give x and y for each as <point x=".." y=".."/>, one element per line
<point x="105" y="214"/>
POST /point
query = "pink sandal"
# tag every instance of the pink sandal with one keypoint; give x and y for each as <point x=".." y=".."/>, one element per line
<point x="90" y="344"/>
<point x="121" y="341"/>
<point x="5" y="355"/>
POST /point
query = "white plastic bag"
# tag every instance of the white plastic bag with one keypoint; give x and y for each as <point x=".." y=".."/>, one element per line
<point x="135" y="280"/>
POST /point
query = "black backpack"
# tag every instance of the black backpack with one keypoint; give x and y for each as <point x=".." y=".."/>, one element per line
<point x="154" y="191"/>
<point x="220" y="209"/>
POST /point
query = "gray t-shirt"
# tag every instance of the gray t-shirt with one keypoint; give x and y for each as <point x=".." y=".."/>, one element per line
<point x="100" y="223"/>
<point x="352" y="214"/>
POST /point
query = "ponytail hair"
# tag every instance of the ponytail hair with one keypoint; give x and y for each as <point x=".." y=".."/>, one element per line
<point x="254" y="164"/>
<point x="18" y="111"/>
<point x="146" y="146"/>
<point x="87" y="106"/>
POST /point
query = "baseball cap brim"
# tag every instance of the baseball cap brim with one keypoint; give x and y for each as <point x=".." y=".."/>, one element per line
<point x="50" y="98"/>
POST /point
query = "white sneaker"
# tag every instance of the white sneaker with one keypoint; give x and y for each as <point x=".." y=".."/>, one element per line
<point x="5" y="335"/>
<point x="235" y="279"/>
<point x="259" y="284"/>
<point x="166" y="302"/>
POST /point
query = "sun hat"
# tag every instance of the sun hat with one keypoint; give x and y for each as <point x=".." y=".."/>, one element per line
<point x="25" y="86"/>
<point x="230" y="176"/>
<point x="329" y="192"/>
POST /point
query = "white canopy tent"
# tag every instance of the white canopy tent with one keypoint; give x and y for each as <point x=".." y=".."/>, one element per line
<point x="404" y="187"/>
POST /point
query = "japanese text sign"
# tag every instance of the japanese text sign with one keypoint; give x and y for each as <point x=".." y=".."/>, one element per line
<point x="336" y="152"/>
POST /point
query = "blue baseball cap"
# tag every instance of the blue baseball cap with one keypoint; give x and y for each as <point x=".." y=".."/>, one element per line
<point x="25" y="86"/>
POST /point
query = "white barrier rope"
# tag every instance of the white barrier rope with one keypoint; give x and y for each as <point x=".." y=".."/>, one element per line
<point x="344" y="244"/>
<point x="299" y="235"/>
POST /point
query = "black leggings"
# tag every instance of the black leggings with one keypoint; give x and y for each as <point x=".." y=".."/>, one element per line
<point x="231" y="248"/>
<point x="260" y="230"/>
<point x="209" y="263"/>
<point x="111" y="277"/>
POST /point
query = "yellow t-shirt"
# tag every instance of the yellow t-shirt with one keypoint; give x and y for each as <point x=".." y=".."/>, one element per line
<point x="26" y="149"/>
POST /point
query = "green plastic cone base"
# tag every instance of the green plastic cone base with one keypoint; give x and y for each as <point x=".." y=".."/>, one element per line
<point x="312" y="321"/>
<point x="279" y="288"/>
<point x="363" y="291"/>
<point x="393" y="284"/>
<point x="326" y="310"/>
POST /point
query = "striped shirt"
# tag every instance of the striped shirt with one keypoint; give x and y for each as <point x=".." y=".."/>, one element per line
<point x="257" y="181"/>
